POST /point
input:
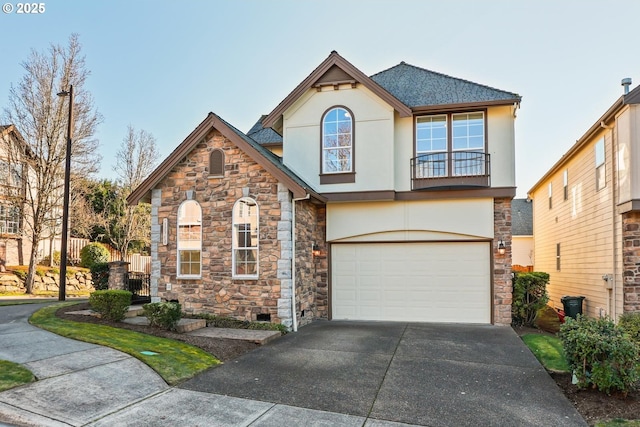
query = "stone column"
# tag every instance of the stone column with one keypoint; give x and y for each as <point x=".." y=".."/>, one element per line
<point x="286" y="256"/>
<point x="502" y="280"/>
<point x="631" y="261"/>
<point x="118" y="274"/>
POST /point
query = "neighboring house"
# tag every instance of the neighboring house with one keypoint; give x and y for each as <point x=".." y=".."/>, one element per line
<point x="587" y="215"/>
<point x="15" y="245"/>
<point x="522" y="234"/>
<point x="357" y="197"/>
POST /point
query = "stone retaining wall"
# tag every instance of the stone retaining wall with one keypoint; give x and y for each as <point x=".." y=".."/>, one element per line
<point x="80" y="281"/>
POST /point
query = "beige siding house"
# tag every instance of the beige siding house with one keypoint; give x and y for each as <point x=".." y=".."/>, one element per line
<point x="15" y="245"/>
<point x="522" y="234"/>
<point x="587" y="215"/>
<point x="382" y="197"/>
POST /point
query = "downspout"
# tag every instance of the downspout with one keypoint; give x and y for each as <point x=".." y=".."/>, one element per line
<point x="293" y="259"/>
<point x="614" y="185"/>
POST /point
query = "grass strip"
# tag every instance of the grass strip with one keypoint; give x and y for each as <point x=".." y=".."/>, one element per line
<point x="618" y="423"/>
<point x="174" y="361"/>
<point x="548" y="350"/>
<point x="12" y="375"/>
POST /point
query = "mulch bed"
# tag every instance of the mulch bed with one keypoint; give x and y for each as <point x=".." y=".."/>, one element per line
<point x="591" y="404"/>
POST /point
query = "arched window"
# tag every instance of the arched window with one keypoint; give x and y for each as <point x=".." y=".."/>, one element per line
<point x="216" y="163"/>
<point x="245" y="238"/>
<point x="189" y="240"/>
<point x="337" y="141"/>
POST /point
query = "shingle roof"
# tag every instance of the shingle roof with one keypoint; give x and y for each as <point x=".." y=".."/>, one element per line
<point x="264" y="135"/>
<point x="417" y="87"/>
<point x="521" y="217"/>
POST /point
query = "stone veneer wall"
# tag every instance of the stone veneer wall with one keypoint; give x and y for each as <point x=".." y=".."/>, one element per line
<point x="631" y="261"/>
<point x="502" y="280"/>
<point x="217" y="292"/>
<point x="311" y="271"/>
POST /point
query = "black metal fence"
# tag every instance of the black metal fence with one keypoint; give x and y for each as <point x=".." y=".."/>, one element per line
<point x="139" y="284"/>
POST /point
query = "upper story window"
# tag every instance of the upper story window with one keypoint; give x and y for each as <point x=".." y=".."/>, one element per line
<point x="601" y="179"/>
<point x="216" y="163"/>
<point x="10" y="174"/>
<point x="245" y="238"/>
<point x="189" y="240"/>
<point x="550" y="190"/>
<point x="9" y="219"/>
<point x="565" y="184"/>
<point x="451" y="146"/>
<point x="337" y="155"/>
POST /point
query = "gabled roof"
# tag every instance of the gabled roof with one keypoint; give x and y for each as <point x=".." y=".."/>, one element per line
<point x="263" y="135"/>
<point x="630" y="98"/>
<point x="417" y="87"/>
<point x="259" y="154"/>
<point x="332" y="71"/>
<point x="11" y="129"/>
<point x="521" y="217"/>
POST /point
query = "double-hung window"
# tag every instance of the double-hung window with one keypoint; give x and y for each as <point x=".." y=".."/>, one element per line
<point x="245" y="238"/>
<point x="9" y="219"/>
<point x="189" y="240"/>
<point x="601" y="177"/>
<point x="450" y="145"/>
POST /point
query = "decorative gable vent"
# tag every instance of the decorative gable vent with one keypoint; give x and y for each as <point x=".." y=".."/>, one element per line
<point x="216" y="163"/>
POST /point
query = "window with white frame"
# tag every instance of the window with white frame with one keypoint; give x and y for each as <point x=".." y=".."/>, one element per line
<point x="565" y="184"/>
<point x="245" y="238"/>
<point x="601" y="178"/>
<point x="450" y="145"/>
<point x="337" y="141"/>
<point x="10" y="174"/>
<point x="189" y="240"/>
<point x="550" y="189"/>
<point x="9" y="219"/>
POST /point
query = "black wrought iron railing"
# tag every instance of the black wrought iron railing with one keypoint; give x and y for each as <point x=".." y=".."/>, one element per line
<point x="139" y="284"/>
<point x="451" y="169"/>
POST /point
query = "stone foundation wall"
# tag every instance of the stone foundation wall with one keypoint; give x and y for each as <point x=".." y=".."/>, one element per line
<point x="631" y="261"/>
<point x="217" y="292"/>
<point x="502" y="280"/>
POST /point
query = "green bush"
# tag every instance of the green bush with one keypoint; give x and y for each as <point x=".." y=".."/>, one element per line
<point x="164" y="315"/>
<point x="56" y="259"/>
<point x="529" y="296"/>
<point x="600" y="354"/>
<point x="630" y="322"/>
<point x="100" y="275"/>
<point x="111" y="304"/>
<point x="93" y="253"/>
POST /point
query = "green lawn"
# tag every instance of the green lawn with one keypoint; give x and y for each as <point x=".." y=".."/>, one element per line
<point x="173" y="360"/>
<point x="13" y="375"/>
<point x="548" y="350"/>
<point x="618" y="423"/>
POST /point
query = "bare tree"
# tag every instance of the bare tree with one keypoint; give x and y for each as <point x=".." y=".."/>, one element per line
<point x="41" y="117"/>
<point x="136" y="159"/>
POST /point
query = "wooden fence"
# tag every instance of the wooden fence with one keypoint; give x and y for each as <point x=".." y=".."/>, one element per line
<point x="137" y="262"/>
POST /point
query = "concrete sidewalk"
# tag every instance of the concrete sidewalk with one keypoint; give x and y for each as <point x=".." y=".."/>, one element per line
<point x="82" y="384"/>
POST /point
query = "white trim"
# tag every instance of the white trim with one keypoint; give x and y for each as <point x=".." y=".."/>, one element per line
<point x="234" y="242"/>
<point x="179" y="249"/>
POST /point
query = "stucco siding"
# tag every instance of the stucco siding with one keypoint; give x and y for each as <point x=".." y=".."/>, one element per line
<point x="373" y="138"/>
<point x="500" y="139"/>
<point x="522" y="250"/>
<point x="415" y="220"/>
<point x="583" y="227"/>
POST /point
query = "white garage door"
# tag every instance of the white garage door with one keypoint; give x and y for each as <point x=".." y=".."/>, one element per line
<point x="424" y="282"/>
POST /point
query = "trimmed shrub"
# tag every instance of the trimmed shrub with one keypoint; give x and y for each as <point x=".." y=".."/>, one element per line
<point x="165" y="315"/>
<point x="100" y="275"/>
<point x="600" y="354"/>
<point x="529" y="296"/>
<point x="111" y="304"/>
<point x="630" y="322"/>
<point x="93" y="253"/>
<point x="547" y="320"/>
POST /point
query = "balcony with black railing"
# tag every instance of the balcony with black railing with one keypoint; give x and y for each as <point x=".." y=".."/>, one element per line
<point x="462" y="169"/>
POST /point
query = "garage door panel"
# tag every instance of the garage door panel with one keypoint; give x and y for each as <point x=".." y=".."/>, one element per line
<point x="432" y="282"/>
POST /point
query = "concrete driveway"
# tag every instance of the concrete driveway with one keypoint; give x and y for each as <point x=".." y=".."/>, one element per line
<point x="421" y="374"/>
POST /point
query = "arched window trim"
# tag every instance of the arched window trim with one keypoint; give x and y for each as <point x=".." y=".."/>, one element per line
<point x="237" y="239"/>
<point x="338" y="177"/>
<point x="180" y="242"/>
<point x="216" y="166"/>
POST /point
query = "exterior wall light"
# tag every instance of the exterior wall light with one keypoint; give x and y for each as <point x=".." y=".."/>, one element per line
<point x="501" y="247"/>
<point x="315" y="250"/>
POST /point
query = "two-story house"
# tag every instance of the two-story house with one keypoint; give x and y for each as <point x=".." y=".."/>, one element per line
<point x="586" y="215"/>
<point x="384" y="197"/>
<point x="15" y="245"/>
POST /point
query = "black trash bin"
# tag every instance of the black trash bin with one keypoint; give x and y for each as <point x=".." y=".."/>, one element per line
<point x="572" y="306"/>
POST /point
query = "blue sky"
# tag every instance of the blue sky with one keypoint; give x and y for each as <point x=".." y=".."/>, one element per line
<point x="162" y="66"/>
